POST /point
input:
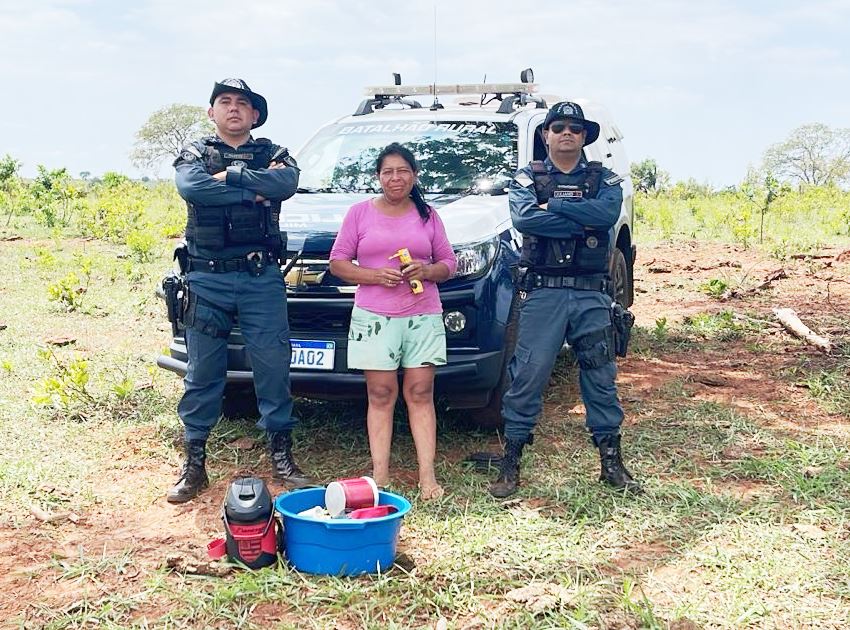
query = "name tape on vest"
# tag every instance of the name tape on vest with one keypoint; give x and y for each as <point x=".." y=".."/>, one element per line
<point x="567" y="194"/>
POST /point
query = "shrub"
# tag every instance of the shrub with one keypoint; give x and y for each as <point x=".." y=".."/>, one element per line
<point x="65" y="389"/>
<point x="68" y="291"/>
<point x="116" y="208"/>
<point x="142" y="243"/>
<point x="715" y="288"/>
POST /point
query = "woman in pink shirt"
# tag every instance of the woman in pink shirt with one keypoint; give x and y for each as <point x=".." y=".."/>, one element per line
<point x="391" y="325"/>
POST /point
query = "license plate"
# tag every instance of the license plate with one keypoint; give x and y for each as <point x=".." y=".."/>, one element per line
<point x="312" y="355"/>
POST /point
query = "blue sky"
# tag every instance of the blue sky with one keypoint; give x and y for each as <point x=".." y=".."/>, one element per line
<point x="704" y="88"/>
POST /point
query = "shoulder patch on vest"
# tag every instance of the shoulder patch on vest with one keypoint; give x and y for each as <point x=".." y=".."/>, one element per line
<point x="613" y="180"/>
<point x="190" y="153"/>
<point x="524" y="180"/>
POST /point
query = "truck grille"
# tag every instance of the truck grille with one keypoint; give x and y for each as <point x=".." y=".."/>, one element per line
<point x="310" y="273"/>
<point x="311" y="321"/>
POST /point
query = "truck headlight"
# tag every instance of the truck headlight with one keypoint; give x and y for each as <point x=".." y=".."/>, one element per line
<point x="475" y="258"/>
<point x="454" y="321"/>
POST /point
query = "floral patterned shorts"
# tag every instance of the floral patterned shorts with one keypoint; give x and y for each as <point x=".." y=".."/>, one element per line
<point x="378" y="342"/>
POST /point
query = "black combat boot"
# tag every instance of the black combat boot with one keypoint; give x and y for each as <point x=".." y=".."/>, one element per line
<point x="283" y="466"/>
<point x="193" y="479"/>
<point x="614" y="472"/>
<point x="508" y="480"/>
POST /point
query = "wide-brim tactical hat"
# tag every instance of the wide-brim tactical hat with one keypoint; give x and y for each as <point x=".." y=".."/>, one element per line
<point x="238" y="85"/>
<point x="565" y="110"/>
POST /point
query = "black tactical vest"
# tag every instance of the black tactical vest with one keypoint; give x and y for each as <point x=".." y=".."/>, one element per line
<point x="249" y="223"/>
<point x="585" y="255"/>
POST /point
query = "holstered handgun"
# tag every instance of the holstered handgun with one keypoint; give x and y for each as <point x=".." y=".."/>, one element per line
<point x="622" y="320"/>
<point x="174" y="288"/>
<point x="181" y="255"/>
<point x="522" y="279"/>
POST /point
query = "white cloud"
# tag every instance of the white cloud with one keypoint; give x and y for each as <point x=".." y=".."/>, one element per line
<point x="94" y="70"/>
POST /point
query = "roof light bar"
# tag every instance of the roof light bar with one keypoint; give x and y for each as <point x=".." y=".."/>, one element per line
<point x="459" y="88"/>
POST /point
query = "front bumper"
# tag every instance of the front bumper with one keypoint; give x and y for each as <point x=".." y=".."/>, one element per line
<point x="465" y="381"/>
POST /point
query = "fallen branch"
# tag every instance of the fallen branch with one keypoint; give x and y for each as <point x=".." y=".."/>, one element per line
<point x="711" y="380"/>
<point x="810" y="256"/>
<point x="722" y="263"/>
<point x="183" y="564"/>
<point x="768" y="281"/>
<point x="52" y="517"/>
<point x="788" y="318"/>
<point x="661" y="267"/>
<point x="755" y="320"/>
<point x="772" y="277"/>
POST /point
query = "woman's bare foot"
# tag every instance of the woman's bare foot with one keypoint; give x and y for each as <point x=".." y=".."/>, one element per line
<point x="382" y="481"/>
<point x="431" y="491"/>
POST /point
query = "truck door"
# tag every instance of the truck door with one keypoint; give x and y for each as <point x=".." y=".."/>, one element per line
<point x="536" y="147"/>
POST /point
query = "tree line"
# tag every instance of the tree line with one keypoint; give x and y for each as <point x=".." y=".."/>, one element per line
<point x="812" y="155"/>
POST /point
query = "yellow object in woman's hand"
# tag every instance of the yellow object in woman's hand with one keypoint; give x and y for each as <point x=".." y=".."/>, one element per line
<point x="406" y="259"/>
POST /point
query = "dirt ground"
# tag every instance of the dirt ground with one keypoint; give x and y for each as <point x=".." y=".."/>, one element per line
<point x="667" y="286"/>
<point x="667" y="290"/>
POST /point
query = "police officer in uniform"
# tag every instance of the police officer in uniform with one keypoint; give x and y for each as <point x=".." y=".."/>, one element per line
<point x="565" y="208"/>
<point x="233" y="186"/>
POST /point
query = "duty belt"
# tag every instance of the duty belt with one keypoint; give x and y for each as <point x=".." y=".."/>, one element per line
<point x="253" y="262"/>
<point x="538" y="281"/>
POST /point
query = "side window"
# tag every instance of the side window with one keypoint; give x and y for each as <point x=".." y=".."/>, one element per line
<point x="539" y="144"/>
<point x="605" y="134"/>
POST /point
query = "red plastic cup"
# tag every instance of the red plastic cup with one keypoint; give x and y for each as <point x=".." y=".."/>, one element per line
<point x="217" y="548"/>
<point x="374" y="512"/>
<point x="350" y="494"/>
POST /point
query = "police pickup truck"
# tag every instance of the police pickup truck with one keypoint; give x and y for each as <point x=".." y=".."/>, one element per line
<point x="469" y="139"/>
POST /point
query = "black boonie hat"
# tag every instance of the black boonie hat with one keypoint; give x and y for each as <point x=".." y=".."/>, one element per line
<point x="238" y="85"/>
<point x="565" y="110"/>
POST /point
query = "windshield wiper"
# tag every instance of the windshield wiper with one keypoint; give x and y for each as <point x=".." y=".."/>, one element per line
<point x="499" y="189"/>
<point x="340" y="191"/>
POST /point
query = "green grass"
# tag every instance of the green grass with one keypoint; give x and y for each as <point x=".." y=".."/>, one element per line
<point x="744" y="523"/>
<point x="464" y="553"/>
<point x="831" y="386"/>
<point x="798" y="222"/>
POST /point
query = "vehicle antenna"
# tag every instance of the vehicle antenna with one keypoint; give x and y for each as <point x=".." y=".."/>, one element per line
<point x="436" y="104"/>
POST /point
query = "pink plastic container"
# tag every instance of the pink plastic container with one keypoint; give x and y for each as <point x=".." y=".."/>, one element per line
<point x="350" y="494"/>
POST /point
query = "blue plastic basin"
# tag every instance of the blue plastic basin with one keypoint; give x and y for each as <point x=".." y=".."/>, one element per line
<point x="338" y="546"/>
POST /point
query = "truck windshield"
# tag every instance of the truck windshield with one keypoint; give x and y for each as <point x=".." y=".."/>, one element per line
<point x="454" y="156"/>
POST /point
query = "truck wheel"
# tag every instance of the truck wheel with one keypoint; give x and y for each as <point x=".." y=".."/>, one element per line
<point x="239" y="401"/>
<point x="622" y="290"/>
<point x="490" y="416"/>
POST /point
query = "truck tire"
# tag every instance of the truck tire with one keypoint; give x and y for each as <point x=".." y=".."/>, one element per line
<point x="622" y="289"/>
<point x="239" y="401"/>
<point x="490" y="416"/>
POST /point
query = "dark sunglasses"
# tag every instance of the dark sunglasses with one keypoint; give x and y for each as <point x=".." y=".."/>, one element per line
<point x="558" y="127"/>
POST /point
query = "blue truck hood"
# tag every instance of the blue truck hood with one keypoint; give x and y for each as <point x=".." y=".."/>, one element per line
<point x="311" y="220"/>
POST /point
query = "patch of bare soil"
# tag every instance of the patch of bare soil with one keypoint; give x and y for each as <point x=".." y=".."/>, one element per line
<point x="815" y="286"/>
<point x="639" y="557"/>
<point x="749" y="374"/>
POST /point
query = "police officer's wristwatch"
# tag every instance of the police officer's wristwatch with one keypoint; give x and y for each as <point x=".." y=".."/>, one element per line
<point x="234" y="175"/>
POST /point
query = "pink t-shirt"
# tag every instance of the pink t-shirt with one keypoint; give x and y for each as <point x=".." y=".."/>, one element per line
<point x="370" y="237"/>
